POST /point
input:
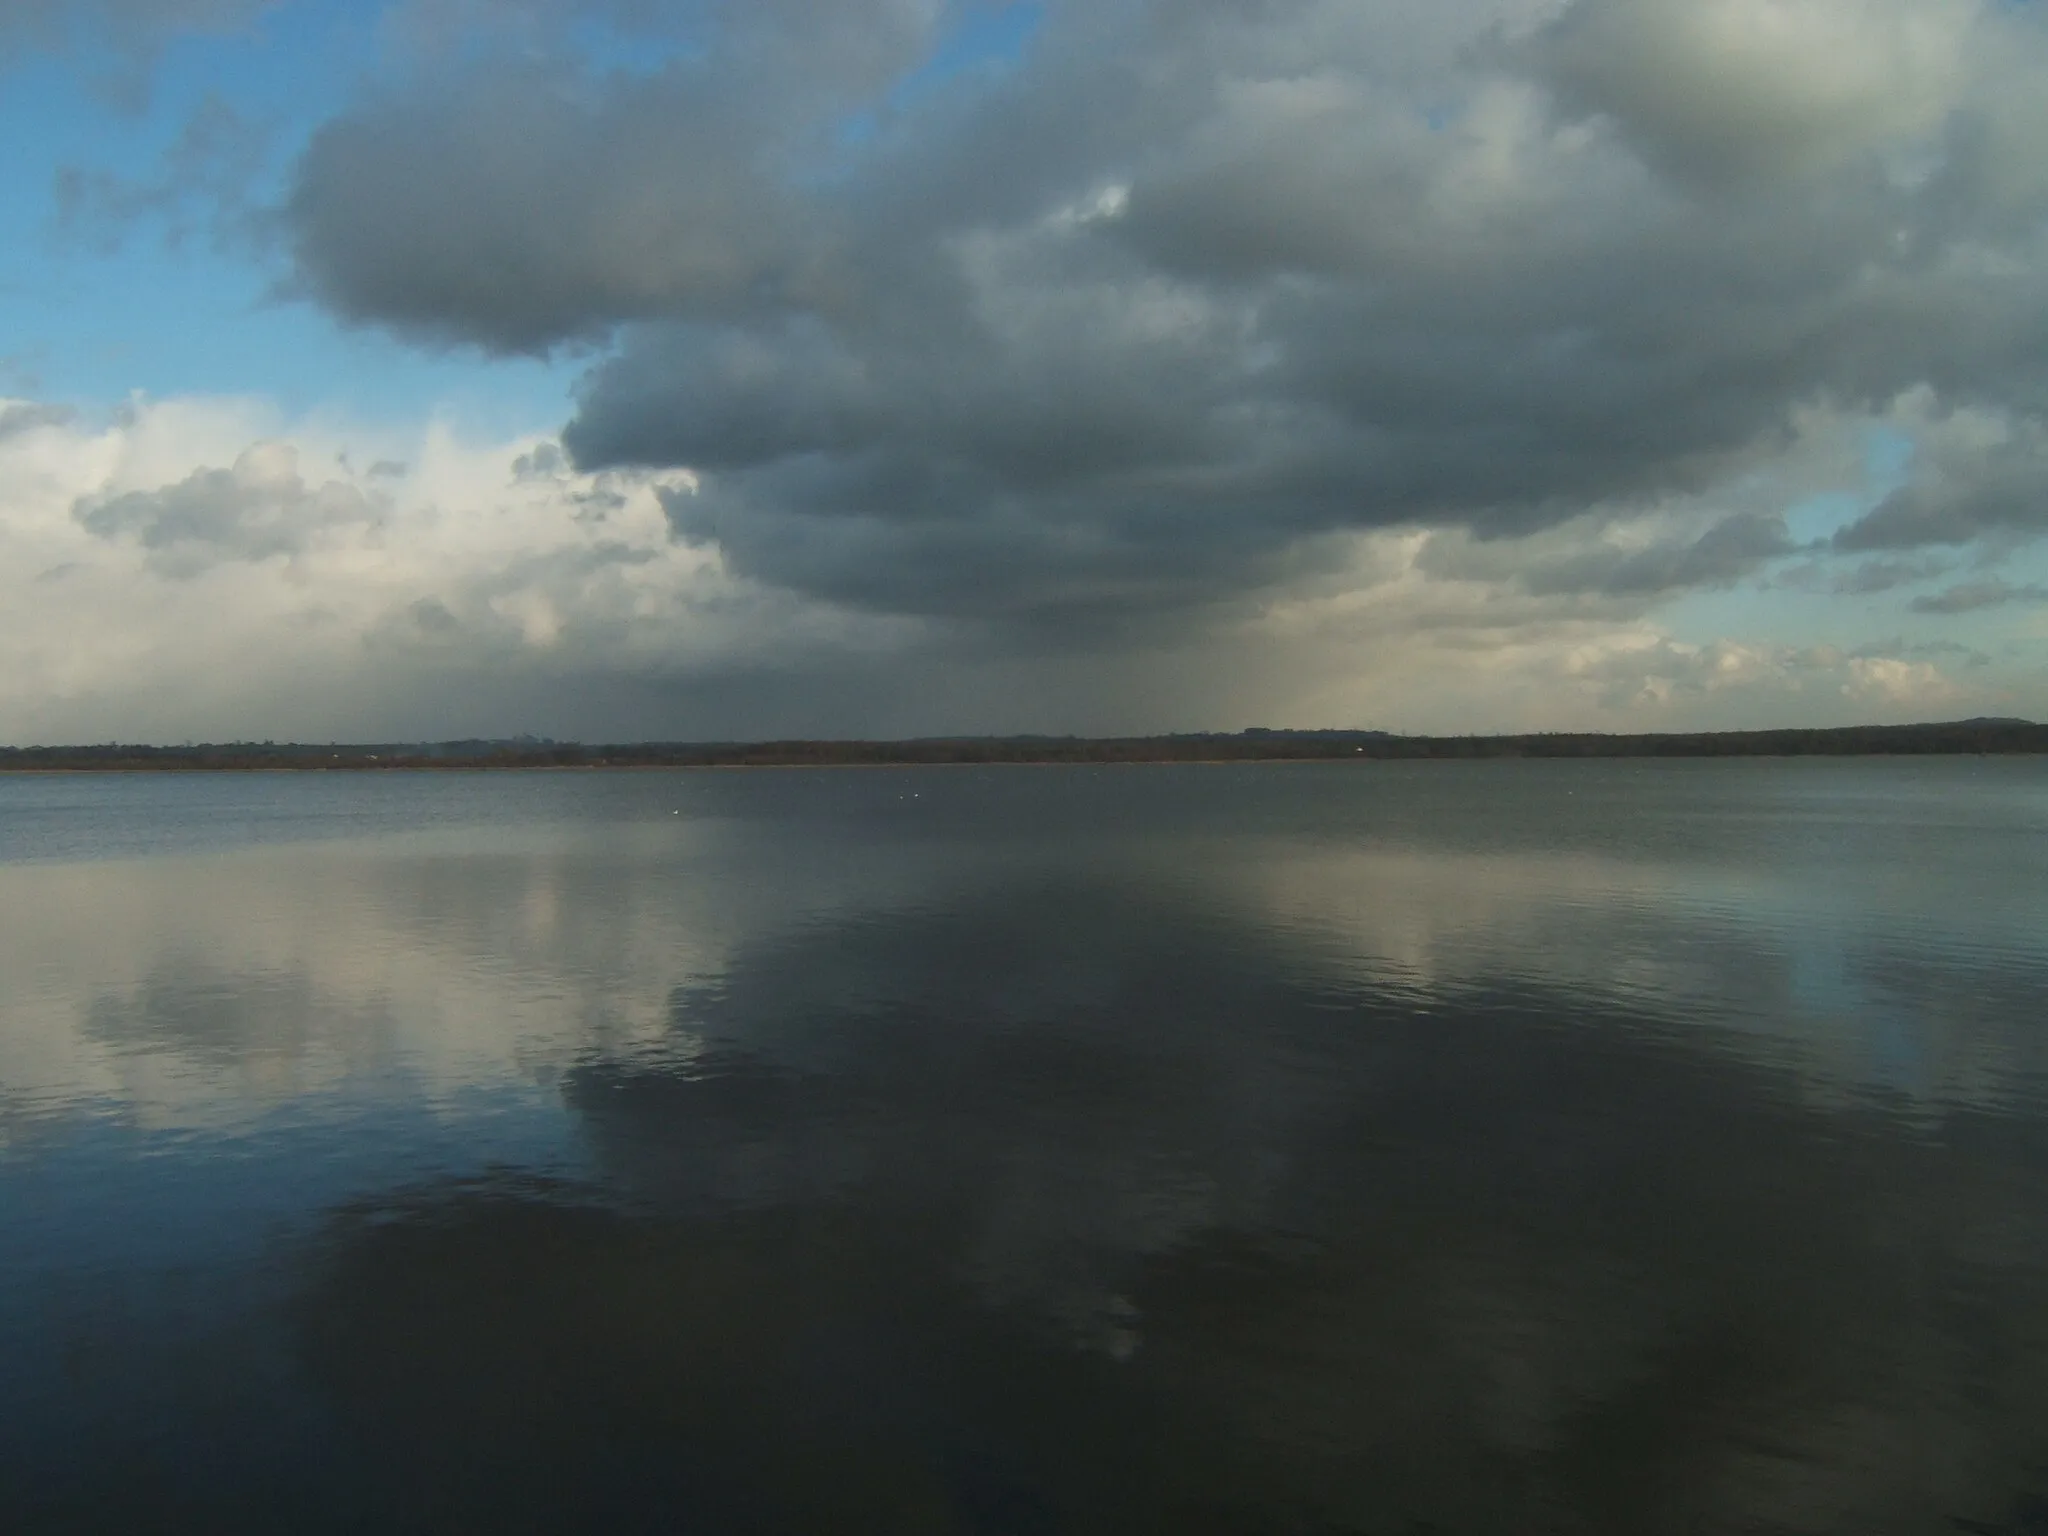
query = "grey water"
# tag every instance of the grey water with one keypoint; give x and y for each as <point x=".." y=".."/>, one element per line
<point x="1490" y="1147"/>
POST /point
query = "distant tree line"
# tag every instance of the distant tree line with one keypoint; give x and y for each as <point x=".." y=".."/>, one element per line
<point x="1966" y="736"/>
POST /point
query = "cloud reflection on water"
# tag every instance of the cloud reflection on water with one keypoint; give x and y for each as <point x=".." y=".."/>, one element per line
<point x="1200" y="1237"/>
<point x="1094" y="1167"/>
<point x="197" y="991"/>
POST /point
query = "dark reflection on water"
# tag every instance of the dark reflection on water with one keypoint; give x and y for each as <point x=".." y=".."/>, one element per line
<point x="971" y="1174"/>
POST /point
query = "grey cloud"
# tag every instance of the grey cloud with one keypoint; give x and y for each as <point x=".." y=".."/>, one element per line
<point x="539" y="216"/>
<point x="1971" y="492"/>
<point x="21" y="416"/>
<point x="433" y="616"/>
<point x="1726" y="552"/>
<point x="132" y="33"/>
<point x="1864" y="579"/>
<point x="552" y="204"/>
<point x="47" y="23"/>
<point x="1716" y="93"/>
<point x="1883" y="575"/>
<point x="594" y="498"/>
<point x="1898" y="647"/>
<point x="1138" y="320"/>
<point x="468" y="619"/>
<point x="545" y="462"/>
<point x="1732" y="548"/>
<point x="1969" y="596"/>
<point x="258" y="509"/>
<point x="203" y="182"/>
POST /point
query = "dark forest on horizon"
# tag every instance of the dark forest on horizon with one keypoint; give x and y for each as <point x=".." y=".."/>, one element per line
<point x="1966" y="736"/>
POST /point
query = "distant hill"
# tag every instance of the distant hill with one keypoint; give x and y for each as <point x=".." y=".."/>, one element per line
<point x="1255" y="745"/>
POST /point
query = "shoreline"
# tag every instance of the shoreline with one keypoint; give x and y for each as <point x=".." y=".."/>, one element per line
<point x="1950" y="739"/>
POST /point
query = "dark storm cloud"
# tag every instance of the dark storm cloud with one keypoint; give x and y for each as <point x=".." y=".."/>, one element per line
<point x="1138" y="318"/>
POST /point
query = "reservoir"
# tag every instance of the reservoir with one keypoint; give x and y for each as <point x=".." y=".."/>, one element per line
<point x="1612" y="1146"/>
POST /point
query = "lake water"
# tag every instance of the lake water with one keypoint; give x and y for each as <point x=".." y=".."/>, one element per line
<point x="1493" y="1147"/>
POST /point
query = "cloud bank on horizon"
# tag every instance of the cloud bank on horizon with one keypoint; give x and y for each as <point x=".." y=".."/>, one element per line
<point x="1128" y="365"/>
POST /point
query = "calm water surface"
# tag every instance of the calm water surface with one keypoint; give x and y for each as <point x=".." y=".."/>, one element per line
<point x="1606" y="1147"/>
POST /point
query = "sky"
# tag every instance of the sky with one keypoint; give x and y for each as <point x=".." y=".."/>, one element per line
<point x="702" y="369"/>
